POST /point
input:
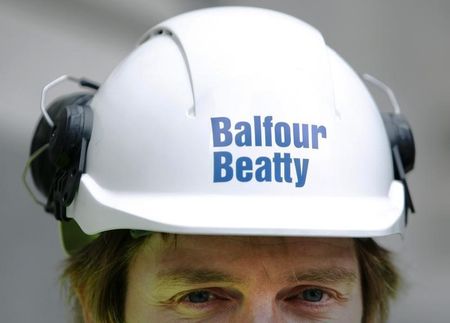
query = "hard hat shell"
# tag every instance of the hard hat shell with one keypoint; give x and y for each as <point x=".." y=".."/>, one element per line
<point x="238" y="121"/>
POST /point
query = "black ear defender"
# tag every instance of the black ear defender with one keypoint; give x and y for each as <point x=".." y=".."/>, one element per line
<point x="401" y="139"/>
<point x="59" y="147"/>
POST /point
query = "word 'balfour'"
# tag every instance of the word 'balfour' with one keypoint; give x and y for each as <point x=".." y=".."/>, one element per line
<point x="281" y="167"/>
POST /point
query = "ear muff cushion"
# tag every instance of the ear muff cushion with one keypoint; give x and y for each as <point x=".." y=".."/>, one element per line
<point x="400" y="135"/>
<point x="43" y="168"/>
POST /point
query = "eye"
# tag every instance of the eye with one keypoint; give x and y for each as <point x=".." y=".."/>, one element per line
<point x="203" y="304"/>
<point x="315" y="303"/>
<point x="313" y="295"/>
<point x="200" y="296"/>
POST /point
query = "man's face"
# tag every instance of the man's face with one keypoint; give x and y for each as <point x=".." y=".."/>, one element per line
<point x="244" y="279"/>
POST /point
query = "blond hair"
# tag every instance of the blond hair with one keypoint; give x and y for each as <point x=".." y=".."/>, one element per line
<point x="99" y="273"/>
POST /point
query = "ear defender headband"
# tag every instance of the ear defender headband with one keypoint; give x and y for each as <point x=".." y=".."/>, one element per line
<point x="59" y="147"/>
<point x="60" y="142"/>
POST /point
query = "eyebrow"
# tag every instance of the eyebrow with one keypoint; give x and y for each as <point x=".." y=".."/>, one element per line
<point x="188" y="276"/>
<point x="195" y="276"/>
<point x="325" y="275"/>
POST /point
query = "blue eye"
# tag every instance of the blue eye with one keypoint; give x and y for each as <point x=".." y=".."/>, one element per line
<point x="199" y="297"/>
<point x="312" y="295"/>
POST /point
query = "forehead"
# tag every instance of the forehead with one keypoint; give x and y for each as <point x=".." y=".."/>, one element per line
<point x="179" y="250"/>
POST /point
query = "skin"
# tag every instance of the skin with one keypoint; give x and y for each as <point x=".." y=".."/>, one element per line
<point x="244" y="279"/>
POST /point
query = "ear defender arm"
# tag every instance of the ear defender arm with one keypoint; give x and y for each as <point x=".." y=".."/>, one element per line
<point x="403" y="150"/>
<point x="401" y="140"/>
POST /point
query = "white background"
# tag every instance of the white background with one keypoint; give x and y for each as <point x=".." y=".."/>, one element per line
<point x="406" y="43"/>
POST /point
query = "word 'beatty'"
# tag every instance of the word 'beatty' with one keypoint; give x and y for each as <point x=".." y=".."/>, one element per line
<point x="279" y="166"/>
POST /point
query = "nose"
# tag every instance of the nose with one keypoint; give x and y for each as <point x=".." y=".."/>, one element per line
<point x="262" y="310"/>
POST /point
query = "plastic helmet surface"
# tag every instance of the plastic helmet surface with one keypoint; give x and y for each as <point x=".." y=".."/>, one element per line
<point x="238" y="121"/>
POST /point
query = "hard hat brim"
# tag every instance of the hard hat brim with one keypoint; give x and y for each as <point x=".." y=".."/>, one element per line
<point x="97" y="210"/>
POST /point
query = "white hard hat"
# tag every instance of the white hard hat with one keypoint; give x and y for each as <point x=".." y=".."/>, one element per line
<point x="237" y="121"/>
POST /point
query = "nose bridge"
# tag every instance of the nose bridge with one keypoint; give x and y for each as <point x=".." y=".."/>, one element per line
<point x="261" y="309"/>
